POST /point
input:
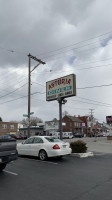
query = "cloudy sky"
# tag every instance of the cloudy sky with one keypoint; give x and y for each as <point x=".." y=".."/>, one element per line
<point x="71" y="36"/>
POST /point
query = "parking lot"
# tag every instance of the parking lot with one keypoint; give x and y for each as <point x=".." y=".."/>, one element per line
<point x="70" y="178"/>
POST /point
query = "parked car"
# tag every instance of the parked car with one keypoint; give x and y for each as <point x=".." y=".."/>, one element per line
<point x="18" y="136"/>
<point x="15" y="136"/>
<point x="8" y="150"/>
<point x="7" y="136"/>
<point x="43" y="147"/>
<point x="68" y="135"/>
<point x="78" y="135"/>
<point x="100" y="135"/>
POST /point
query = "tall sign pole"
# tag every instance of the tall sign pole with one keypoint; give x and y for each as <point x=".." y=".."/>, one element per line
<point x="29" y="94"/>
<point x="60" y="117"/>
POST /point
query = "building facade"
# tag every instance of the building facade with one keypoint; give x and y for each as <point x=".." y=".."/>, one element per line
<point x="51" y="126"/>
<point x="33" y="131"/>
<point x="72" y="124"/>
<point x="8" y="128"/>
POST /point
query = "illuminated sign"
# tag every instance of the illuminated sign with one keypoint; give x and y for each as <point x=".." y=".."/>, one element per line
<point x="109" y="119"/>
<point x="61" y="87"/>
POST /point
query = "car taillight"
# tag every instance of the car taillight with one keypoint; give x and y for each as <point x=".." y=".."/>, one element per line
<point x="56" y="146"/>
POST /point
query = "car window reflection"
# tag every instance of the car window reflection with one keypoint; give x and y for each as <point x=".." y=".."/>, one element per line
<point x="29" y="141"/>
<point x="37" y="140"/>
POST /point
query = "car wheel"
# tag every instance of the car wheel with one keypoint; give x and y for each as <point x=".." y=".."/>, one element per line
<point x="43" y="155"/>
<point x="60" y="157"/>
<point x="2" y="166"/>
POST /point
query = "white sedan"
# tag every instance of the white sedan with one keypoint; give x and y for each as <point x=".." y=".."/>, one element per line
<point x="43" y="147"/>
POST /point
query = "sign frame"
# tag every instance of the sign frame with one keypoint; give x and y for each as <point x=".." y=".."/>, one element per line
<point x="62" y="87"/>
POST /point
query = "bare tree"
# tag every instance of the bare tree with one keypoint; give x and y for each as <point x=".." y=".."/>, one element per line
<point x="33" y="121"/>
<point x="65" y="113"/>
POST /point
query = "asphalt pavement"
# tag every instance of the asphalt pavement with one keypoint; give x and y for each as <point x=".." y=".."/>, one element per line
<point x="70" y="178"/>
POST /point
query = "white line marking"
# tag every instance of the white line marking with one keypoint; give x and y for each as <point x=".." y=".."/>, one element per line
<point x="39" y="161"/>
<point x="10" y="172"/>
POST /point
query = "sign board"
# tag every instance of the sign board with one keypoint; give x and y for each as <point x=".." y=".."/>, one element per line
<point x="24" y="115"/>
<point x="63" y="124"/>
<point x="109" y="119"/>
<point x="61" y="87"/>
<point x="82" y="125"/>
<point x="31" y="113"/>
<point x="50" y="125"/>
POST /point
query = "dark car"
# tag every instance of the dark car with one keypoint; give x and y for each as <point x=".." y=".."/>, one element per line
<point x="14" y="136"/>
<point x="8" y="150"/>
<point x="78" y="135"/>
<point x="7" y="136"/>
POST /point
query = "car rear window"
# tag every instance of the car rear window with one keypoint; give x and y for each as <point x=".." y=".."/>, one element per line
<point x="52" y="139"/>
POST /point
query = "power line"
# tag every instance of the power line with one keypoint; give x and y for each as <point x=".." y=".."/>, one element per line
<point x="95" y="86"/>
<point x="94" y="101"/>
<point x="13" y="91"/>
<point x="91" y="103"/>
<point x="75" y="43"/>
<point x="21" y="52"/>
<point x="62" y="52"/>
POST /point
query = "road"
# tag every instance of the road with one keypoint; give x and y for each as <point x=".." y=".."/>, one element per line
<point x="70" y="178"/>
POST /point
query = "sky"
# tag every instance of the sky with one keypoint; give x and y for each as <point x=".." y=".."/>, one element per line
<point x="71" y="37"/>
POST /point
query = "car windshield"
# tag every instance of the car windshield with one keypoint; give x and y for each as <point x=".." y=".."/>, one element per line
<point x="52" y="139"/>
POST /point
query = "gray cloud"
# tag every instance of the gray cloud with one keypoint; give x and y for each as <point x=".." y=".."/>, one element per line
<point x="41" y="28"/>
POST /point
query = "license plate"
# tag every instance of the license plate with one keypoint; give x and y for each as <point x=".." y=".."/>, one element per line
<point x="0" y="160"/>
<point x="64" y="146"/>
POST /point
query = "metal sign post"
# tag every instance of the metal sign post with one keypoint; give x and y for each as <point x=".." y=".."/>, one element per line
<point x="60" y="117"/>
<point x="61" y="101"/>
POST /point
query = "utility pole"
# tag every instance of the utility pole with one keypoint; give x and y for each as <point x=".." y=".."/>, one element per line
<point x="29" y="85"/>
<point x="91" y="114"/>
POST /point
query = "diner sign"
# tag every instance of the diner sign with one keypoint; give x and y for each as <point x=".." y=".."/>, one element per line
<point x="61" y="88"/>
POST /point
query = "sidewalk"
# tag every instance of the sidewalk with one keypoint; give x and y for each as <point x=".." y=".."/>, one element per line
<point x="98" y="144"/>
<point x="101" y="145"/>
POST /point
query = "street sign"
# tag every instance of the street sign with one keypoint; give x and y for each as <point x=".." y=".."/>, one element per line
<point x="24" y="115"/>
<point x="31" y="113"/>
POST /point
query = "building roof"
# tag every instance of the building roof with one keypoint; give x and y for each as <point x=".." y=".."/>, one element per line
<point x="34" y="127"/>
<point x="75" y="119"/>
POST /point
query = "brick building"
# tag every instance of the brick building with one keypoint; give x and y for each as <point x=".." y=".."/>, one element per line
<point x="72" y="124"/>
<point x="85" y="120"/>
<point x="8" y="128"/>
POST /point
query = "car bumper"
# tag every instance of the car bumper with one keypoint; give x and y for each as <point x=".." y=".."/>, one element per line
<point x="7" y="159"/>
<point x="59" y="152"/>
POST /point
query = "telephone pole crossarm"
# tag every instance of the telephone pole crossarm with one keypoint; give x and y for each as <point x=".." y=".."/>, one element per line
<point x="38" y="60"/>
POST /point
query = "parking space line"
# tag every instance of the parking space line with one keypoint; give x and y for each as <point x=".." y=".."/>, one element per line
<point x="15" y="174"/>
<point x="40" y="161"/>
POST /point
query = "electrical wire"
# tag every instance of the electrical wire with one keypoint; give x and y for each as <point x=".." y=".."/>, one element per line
<point x="75" y="43"/>
<point x="90" y="87"/>
<point x="21" y="52"/>
<point x="94" y="101"/>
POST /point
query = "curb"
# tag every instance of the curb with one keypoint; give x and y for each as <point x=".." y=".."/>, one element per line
<point x="83" y="155"/>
